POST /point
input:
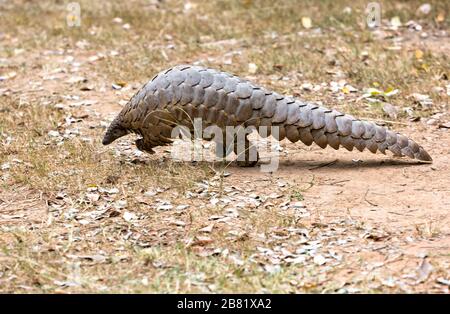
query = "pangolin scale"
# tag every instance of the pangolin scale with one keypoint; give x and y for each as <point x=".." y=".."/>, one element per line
<point x="178" y="95"/>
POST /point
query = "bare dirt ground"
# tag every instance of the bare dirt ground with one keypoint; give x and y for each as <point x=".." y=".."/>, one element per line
<point x="79" y="217"/>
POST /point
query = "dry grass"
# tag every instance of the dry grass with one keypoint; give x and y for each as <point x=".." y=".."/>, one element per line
<point x="61" y="228"/>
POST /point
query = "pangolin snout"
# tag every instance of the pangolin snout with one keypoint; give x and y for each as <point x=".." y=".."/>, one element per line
<point x="106" y="140"/>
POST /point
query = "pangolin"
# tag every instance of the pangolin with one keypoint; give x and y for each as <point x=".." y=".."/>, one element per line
<point x="178" y="95"/>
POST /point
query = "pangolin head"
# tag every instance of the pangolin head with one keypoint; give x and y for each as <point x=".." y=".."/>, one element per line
<point x="114" y="131"/>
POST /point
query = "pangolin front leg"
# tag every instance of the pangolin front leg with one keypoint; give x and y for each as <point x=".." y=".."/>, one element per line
<point x="144" y="146"/>
<point x="183" y="93"/>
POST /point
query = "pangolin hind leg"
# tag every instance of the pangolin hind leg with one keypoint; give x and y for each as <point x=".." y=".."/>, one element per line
<point x="246" y="151"/>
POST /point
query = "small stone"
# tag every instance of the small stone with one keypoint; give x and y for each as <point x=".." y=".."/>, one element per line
<point x="181" y="207"/>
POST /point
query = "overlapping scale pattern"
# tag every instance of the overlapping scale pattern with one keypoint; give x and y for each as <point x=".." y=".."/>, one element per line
<point x="184" y="92"/>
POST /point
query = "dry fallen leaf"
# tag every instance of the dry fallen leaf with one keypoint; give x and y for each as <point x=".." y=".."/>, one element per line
<point x="178" y="223"/>
<point x="396" y="22"/>
<point x="424" y="271"/>
<point x="440" y="17"/>
<point x="319" y="260"/>
<point x="119" y="85"/>
<point x="207" y="229"/>
<point x="200" y="240"/>
<point x="390" y="110"/>
<point x="87" y="87"/>
<point x="127" y="216"/>
<point x="53" y="133"/>
<point x="424" y="9"/>
<point x="443" y="281"/>
<point x="306" y="22"/>
<point x="445" y="125"/>
<point x="307" y="86"/>
<point x="419" y="54"/>
<point x="117" y="20"/>
<point x="164" y="207"/>
<point x="93" y="197"/>
<point x="7" y="76"/>
<point x="422" y="99"/>
<point x="252" y="68"/>
<point x="76" y="79"/>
